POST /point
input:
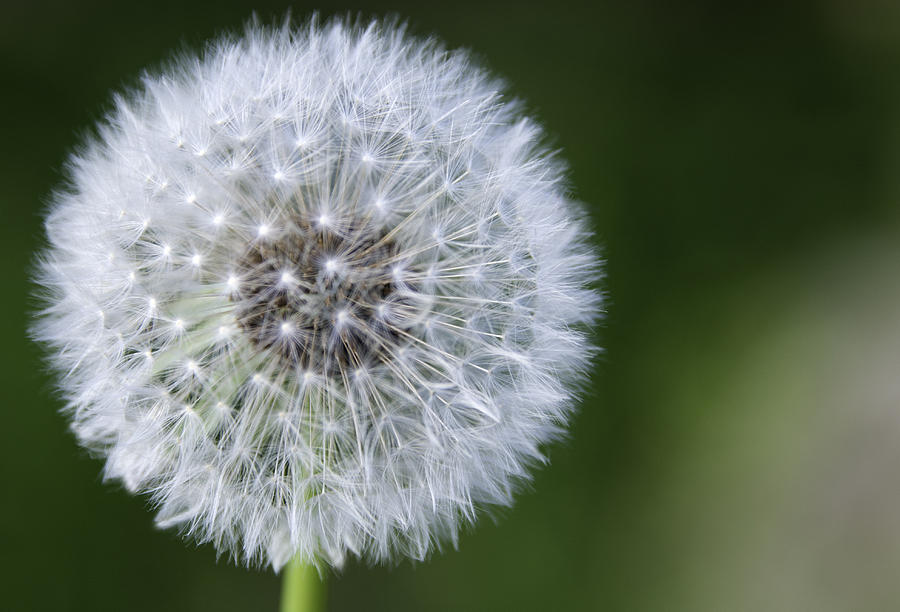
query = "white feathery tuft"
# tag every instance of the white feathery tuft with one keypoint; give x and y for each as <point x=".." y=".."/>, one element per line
<point x="318" y="292"/>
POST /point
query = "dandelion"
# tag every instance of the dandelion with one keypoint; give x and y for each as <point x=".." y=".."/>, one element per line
<point x="318" y="293"/>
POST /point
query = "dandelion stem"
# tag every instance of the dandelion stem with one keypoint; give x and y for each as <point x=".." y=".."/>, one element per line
<point x="302" y="590"/>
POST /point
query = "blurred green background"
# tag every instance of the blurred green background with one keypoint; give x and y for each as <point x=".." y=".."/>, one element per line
<point x="740" y="446"/>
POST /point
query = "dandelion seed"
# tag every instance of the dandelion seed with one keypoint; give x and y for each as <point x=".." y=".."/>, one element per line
<point x="403" y="322"/>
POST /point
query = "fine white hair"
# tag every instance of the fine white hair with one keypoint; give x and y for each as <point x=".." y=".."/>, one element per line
<point x="319" y="291"/>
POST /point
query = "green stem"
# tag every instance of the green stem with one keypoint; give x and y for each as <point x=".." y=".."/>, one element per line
<point x="302" y="590"/>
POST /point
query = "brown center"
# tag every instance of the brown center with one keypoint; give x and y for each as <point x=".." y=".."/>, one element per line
<point x="318" y="295"/>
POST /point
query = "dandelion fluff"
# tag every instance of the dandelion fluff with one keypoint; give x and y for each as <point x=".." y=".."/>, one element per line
<point x="318" y="292"/>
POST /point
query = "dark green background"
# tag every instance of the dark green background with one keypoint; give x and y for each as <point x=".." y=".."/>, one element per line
<point x="740" y="446"/>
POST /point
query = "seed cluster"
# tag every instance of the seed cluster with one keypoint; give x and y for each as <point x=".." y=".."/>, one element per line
<point x="320" y="295"/>
<point x="318" y="292"/>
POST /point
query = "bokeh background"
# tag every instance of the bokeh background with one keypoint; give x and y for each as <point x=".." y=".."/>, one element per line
<point x="740" y="446"/>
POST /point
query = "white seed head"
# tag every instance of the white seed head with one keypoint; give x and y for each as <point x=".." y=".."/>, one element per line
<point x="375" y="339"/>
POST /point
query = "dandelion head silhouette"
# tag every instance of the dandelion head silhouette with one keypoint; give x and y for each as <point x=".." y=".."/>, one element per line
<point x="318" y="291"/>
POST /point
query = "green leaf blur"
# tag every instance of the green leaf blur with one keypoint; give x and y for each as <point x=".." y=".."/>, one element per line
<point x="738" y="448"/>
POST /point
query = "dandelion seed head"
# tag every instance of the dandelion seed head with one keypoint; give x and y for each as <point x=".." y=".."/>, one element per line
<point x="343" y="297"/>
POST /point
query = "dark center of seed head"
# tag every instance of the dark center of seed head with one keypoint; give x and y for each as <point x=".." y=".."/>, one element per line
<point x="316" y="296"/>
